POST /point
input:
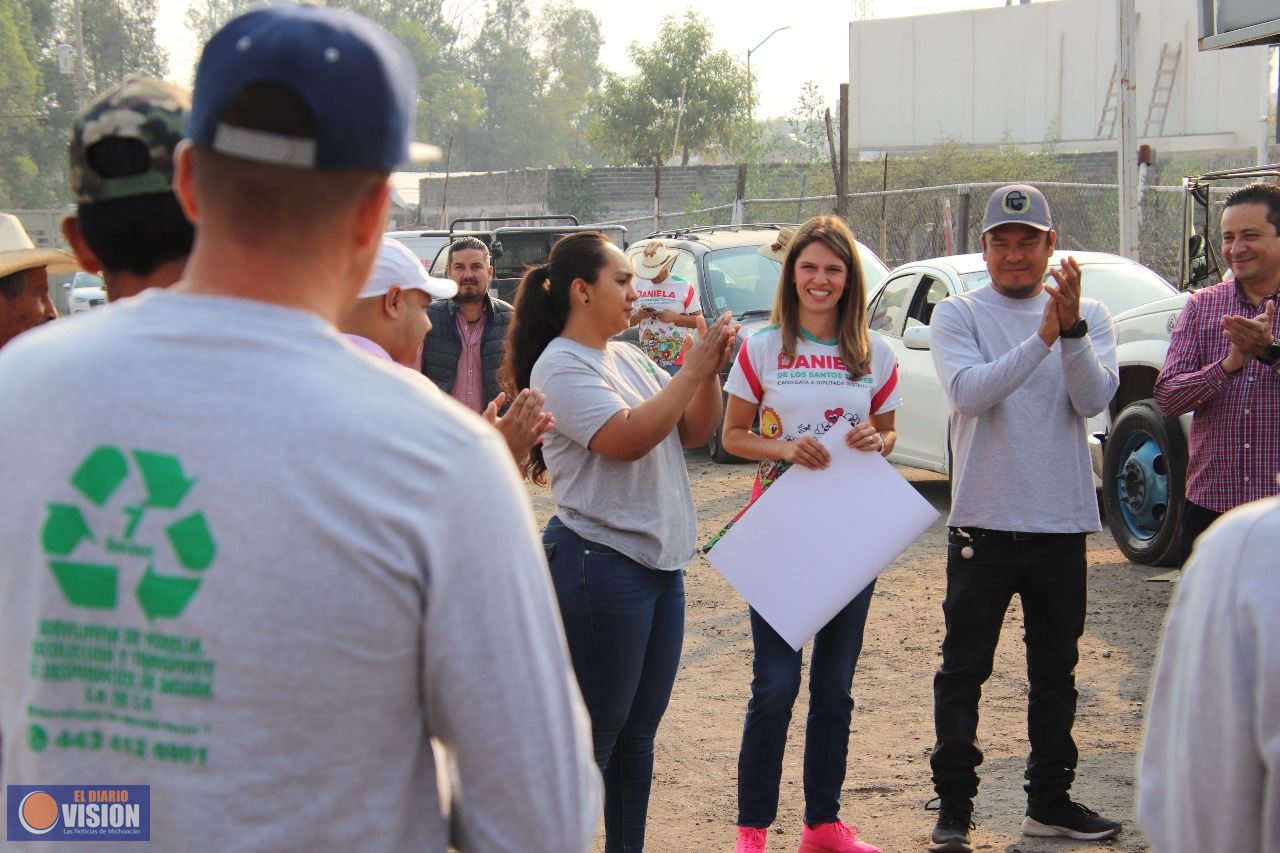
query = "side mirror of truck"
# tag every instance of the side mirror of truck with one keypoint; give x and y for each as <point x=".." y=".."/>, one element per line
<point x="1197" y="259"/>
<point x="917" y="337"/>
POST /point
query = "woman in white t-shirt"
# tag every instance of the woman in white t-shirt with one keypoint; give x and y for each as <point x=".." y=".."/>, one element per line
<point x="793" y="381"/>
<point x="620" y="423"/>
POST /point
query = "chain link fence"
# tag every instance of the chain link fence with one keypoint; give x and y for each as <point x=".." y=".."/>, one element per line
<point x="926" y="222"/>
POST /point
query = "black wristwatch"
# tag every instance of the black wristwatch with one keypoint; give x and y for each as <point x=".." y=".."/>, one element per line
<point x="1079" y="330"/>
<point x="1271" y="354"/>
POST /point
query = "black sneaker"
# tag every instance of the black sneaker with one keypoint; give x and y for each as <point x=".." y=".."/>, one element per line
<point x="951" y="832"/>
<point x="1066" y="819"/>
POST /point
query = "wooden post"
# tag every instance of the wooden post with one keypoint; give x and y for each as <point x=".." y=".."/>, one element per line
<point x="884" y="199"/>
<point x="835" y="158"/>
<point x="444" y="194"/>
<point x="740" y="195"/>
<point x="657" y="196"/>
<point x="842" y="194"/>
<point x="804" y="189"/>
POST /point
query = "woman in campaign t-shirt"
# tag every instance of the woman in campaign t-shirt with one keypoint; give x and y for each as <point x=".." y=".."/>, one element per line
<point x="792" y="382"/>
<point x="620" y="424"/>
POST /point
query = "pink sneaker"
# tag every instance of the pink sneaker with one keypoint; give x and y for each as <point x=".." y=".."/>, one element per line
<point x="750" y="840"/>
<point x="833" y="838"/>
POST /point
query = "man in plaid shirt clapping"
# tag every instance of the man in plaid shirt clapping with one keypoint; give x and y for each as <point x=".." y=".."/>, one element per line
<point x="1224" y="364"/>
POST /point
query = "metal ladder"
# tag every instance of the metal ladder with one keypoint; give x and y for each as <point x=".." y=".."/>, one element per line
<point x="1162" y="90"/>
<point x="1110" y="108"/>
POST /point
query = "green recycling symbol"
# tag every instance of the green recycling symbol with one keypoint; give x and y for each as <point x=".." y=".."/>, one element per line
<point x="96" y="584"/>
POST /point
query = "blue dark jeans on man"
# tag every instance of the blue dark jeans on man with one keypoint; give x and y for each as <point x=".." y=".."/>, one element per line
<point x="625" y="625"/>
<point x="775" y="683"/>
<point x="1047" y="571"/>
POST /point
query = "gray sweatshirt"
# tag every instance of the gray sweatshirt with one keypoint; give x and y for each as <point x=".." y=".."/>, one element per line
<point x="258" y="570"/>
<point x="1018" y="410"/>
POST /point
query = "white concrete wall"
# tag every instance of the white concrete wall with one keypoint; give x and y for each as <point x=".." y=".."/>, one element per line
<point x="1037" y="71"/>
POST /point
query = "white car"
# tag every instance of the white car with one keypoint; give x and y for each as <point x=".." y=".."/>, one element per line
<point x="900" y="311"/>
<point x="87" y="292"/>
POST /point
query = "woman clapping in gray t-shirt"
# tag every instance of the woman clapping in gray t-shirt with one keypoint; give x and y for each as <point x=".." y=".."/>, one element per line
<point x="624" y="528"/>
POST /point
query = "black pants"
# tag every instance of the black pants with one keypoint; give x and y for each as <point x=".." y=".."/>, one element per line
<point x="1195" y="520"/>
<point x="1047" y="572"/>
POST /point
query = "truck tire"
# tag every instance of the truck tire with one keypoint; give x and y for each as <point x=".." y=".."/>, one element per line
<point x="1144" y="467"/>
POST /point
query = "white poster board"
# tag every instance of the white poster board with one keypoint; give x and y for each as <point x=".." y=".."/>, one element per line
<point x="815" y="539"/>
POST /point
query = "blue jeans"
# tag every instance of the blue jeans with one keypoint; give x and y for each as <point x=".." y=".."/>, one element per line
<point x="775" y="684"/>
<point x="1047" y="571"/>
<point x="625" y="625"/>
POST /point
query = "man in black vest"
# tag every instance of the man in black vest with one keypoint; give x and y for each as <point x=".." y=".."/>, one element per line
<point x="464" y="350"/>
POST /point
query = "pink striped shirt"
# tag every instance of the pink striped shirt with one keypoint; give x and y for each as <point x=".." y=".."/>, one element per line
<point x="1234" y="452"/>
<point x="468" y="382"/>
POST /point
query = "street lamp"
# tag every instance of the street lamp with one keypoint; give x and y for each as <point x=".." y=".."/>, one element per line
<point x="750" y="105"/>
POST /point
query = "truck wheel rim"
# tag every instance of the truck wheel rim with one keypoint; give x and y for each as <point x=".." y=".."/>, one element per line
<point x="1142" y="486"/>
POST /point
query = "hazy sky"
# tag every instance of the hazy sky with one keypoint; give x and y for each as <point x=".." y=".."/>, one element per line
<point x="815" y="48"/>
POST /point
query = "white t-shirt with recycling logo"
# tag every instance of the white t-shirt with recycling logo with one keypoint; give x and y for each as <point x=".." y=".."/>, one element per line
<point x="259" y="570"/>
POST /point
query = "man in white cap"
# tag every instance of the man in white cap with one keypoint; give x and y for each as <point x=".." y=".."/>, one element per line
<point x="666" y="307"/>
<point x="389" y="320"/>
<point x="24" y="279"/>
<point x="1023" y="364"/>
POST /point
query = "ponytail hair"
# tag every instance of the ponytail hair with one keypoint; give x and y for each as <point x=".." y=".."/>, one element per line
<point x="541" y="311"/>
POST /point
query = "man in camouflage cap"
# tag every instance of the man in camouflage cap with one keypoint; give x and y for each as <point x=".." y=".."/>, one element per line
<point x="129" y="225"/>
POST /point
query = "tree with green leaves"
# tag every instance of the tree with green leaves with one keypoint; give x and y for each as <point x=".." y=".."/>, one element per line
<point x="808" y="122"/>
<point x="502" y="66"/>
<point x="206" y="17"/>
<point x="534" y="80"/>
<point x="20" y="106"/>
<point x="685" y="98"/>
<point x="570" y="41"/>
<point x="119" y="40"/>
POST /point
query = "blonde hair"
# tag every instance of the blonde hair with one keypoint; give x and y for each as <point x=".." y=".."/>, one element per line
<point x="851" y="311"/>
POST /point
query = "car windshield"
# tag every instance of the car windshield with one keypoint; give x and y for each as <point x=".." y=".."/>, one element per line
<point x="744" y="281"/>
<point x="1119" y="286"/>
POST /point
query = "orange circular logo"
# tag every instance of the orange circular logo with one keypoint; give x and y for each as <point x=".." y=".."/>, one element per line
<point x="38" y="812"/>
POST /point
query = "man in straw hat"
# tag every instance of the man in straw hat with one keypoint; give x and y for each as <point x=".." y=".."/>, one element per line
<point x="666" y="306"/>
<point x="24" y="279"/>
<point x="251" y="543"/>
<point x="777" y="250"/>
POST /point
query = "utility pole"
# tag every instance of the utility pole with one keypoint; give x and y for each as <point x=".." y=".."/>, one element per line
<point x="82" y="88"/>
<point x="1128" y="166"/>
<point x="751" y="117"/>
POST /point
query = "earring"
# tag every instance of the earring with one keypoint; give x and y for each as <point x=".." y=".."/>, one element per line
<point x="586" y="300"/>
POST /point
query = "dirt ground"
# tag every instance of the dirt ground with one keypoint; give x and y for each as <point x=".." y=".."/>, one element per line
<point x="693" y="805"/>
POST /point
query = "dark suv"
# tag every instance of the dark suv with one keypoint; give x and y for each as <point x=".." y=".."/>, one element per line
<point x="516" y="247"/>
<point x="725" y="264"/>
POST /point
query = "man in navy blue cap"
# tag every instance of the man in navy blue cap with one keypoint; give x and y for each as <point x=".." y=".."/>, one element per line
<point x="241" y="566"/>
<point x="1023" y="363"/>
